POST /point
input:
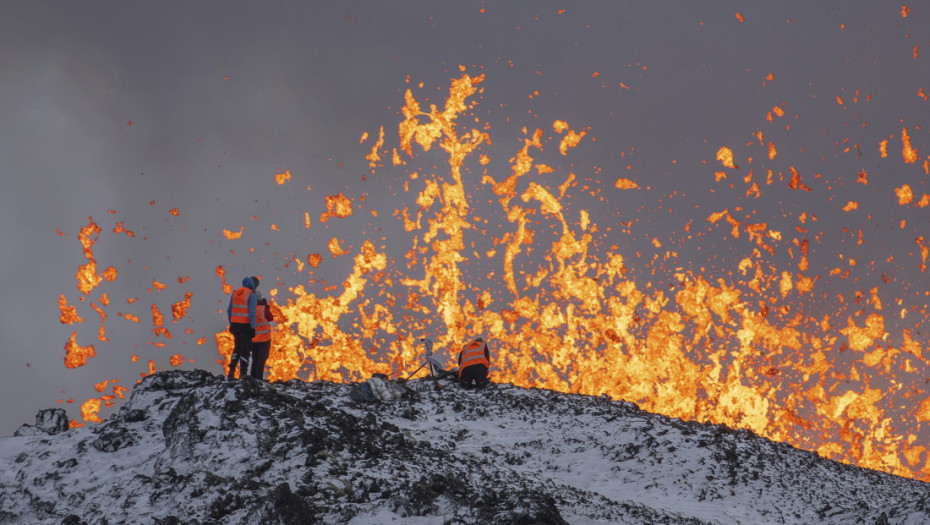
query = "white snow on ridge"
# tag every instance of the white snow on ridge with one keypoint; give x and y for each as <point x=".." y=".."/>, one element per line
<point x="193" y="447"/>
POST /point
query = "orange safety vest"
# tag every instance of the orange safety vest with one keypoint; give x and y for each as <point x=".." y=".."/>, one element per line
<point x="262" y="327"/>
<point x="473" y="354"/>
<point x="240" y="306"/>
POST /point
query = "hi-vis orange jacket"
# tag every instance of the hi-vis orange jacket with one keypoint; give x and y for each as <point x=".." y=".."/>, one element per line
<point x="474" y="353"/>
<point x="240" y="306"/>
<point x="262" y="325"/>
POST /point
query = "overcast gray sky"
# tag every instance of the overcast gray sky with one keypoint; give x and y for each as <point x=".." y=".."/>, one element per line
<point x="144" y="107"/>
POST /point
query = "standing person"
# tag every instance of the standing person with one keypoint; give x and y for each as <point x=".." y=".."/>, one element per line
<point x="474" y="360"/>
<point x="241" y="313"/>
<point x="261" y="343"/>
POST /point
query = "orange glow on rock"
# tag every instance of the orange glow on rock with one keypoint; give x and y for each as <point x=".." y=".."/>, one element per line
<point x="176" y="360"/>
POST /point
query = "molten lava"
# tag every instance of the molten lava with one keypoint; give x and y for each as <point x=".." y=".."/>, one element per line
<point x="522" y="254"/>
<point x="564" y="313"/>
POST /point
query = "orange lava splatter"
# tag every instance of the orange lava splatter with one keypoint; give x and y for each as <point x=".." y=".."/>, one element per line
<point x="101" y="333"/>
<point x="795" y="182"/>
<point x="221" y="273"/>
<point x="725" y="156"/>
<point x="335" y="249"/>
<point x="233" y="234"/>
<point x="374" y="158"/>
<point x="179" y="309"/>
<point x="338" y="206"/>
<point x="905" y="195"/>
<point x="68" y="314"/>
<point x="90" y="409"/>
<point x="625" y="184"/>
<point x="908" y="152"/>
<point x="76" y="355"/>
<point x="570" y="140"/>
<point x="158" y="323"/>
<point x="120" y="229"/>
<point x="87" y="274"/>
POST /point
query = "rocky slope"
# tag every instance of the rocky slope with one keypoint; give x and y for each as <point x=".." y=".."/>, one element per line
<point x="190" y="447"/>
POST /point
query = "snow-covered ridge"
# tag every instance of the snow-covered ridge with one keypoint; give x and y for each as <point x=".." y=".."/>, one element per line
<point x="190" y="447"/>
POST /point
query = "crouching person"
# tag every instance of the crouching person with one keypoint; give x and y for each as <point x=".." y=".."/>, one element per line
<point x="474" y="360"/>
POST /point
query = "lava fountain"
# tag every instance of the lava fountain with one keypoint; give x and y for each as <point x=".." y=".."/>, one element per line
<point x="527" y="253"/>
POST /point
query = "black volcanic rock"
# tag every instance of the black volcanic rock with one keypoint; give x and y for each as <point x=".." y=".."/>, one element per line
<point x="50" y="421"/>
<point x="190" y="447"/>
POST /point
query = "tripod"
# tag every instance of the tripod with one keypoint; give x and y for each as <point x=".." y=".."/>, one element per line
<point x="434" y="366"/>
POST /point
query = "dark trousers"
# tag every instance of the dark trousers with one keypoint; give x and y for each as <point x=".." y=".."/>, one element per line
<point x="476" y="373"/>
<point x="242" y="335"/>
<point x="260" y="353"/>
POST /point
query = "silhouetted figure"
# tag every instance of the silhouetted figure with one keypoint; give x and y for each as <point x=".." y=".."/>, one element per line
<point x="261" y="343"/>
<point x="241" y="313"/>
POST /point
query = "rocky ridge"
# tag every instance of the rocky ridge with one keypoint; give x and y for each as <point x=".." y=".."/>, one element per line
<point x="190" y="447"/>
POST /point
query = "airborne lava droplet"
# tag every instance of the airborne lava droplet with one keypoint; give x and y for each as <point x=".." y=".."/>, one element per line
<point x="76" y="355"/>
